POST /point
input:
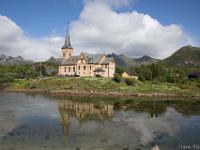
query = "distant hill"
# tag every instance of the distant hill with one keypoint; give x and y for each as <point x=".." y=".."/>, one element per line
<point x="146" y="60"/>
<point x="123" y="60"/>
<point x="53" y="60"/>
<point x="8" y="60"/>
<point x="187" y="56"/>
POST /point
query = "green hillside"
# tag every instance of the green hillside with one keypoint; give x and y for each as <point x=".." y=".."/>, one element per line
<point x="185" y="57"/>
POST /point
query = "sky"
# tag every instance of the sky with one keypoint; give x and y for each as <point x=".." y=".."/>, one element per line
<point x="35" y="29"/>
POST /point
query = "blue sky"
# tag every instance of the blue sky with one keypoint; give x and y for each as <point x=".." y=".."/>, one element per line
<point x="48" y="18"/>
<point x="42" y="17"/>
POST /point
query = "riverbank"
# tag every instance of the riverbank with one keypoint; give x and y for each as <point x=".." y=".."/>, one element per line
<point x="92" y="93"/>
<point x="102" y="87"/>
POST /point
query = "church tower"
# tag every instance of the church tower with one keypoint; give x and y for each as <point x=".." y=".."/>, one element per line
<point x="67" y="50"/>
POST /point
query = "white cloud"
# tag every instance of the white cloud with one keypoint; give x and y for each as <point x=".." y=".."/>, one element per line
<point x="14" y="42"/>
<point x="134" y="130"/>
<point x="101" y="29"/>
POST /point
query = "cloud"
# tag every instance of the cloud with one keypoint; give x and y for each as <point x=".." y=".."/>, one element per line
<point x="101" y="29"/>
<point x="14" y="42"/>
<point x="134" y="130"/>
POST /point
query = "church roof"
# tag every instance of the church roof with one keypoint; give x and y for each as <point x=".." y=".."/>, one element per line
<point x="71" y="61"/>
<point x="90" y="59"/>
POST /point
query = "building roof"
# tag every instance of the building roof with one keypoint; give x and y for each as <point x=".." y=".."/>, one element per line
<point x="90" y="59"/>
<point x="194" y="73"/>
<point x="71" y="61"/>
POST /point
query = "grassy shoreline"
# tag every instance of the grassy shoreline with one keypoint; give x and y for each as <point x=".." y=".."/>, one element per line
<point x="102" y="87"/>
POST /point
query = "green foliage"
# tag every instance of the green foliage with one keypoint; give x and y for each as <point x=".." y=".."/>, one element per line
<point x="120" y="69"/>
<point x="198" y="83"/>
<point x="6" y="80"/>
<point x="144" y="72"/>
<point x="157" y="70"/>
<point x="41" y="69"/>
<point x="26" y="71"/>
<point x="129" y="82"/>
<point x="185" y="57"/>
<point x="117" y="77"/>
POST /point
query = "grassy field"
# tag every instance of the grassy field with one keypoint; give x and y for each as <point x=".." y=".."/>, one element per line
<point x="105" y="84"/>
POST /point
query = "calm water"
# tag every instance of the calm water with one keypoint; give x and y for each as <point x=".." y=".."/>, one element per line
<point x="42" y="122"/>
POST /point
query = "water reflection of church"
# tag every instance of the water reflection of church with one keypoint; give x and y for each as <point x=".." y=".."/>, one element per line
<point x="82" y="112"/>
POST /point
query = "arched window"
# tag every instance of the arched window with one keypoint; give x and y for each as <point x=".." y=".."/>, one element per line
<point x="84" y="67"/>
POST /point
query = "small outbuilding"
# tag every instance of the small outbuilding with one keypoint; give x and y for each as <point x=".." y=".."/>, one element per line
<point x="129" y="76"/>
<point x="194" y="75"/>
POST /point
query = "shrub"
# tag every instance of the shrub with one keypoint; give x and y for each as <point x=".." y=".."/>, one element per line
<point x="198" y="83"/>
<point x="129" y="82"/>
<point x="117" y="78"/>
<point x="6" y="80"/>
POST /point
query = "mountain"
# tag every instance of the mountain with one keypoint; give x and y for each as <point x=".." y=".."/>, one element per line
<point x="123" y="60"/>
<point x="8" y="60"/>
<point x="53" y="60"/>
<point x="146" y="60"/>
<point x="187" y="56"/>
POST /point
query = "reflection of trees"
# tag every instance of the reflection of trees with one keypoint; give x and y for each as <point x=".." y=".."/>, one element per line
<point x="156" y="108"/>
<point x="83" y="112"/>
<point x="187" y="108"/>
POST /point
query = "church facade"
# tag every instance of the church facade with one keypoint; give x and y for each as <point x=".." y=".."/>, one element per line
<point x="85" y="64"/>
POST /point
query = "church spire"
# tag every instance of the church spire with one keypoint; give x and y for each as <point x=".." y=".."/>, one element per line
<point x="67" y="43"/>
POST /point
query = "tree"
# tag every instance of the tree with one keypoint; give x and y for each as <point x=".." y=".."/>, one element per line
<point x="117" y="77"/>
<point x="144" y="72"/>
<point x="120" y="69"/>
<point x="157" y="70"/>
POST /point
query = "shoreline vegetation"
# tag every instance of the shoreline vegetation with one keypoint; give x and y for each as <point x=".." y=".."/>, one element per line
<point x="83" y="86"/>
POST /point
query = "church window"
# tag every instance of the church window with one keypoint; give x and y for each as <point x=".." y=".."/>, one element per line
<point x="90" y="67"/>
<point x="84" y="67"/>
